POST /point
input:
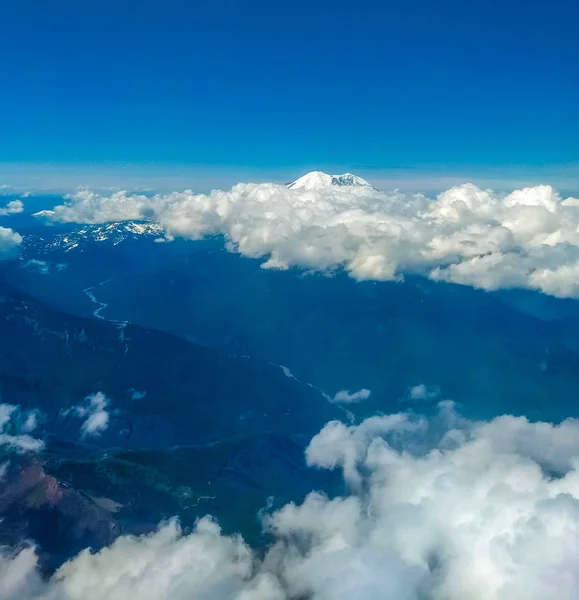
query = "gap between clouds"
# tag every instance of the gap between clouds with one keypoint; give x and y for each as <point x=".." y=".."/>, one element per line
<point x="527" y="239"/>
<point x="439" y="509"/>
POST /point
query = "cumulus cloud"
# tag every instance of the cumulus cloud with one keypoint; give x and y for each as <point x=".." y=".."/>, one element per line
<point x="345" y="397"/>
<point x="166" y="564"/>
<point x="439" y="509"/>
<point x="466" y="235"/>
<point x="16" y="427"/>
<point x="9" y="243"/>
<point x="447" y="510"/>
<point x="13" y="207"/>
<point x="95" y="414"/>
<point x="422" y="392"/>
<point x="86" y="206"/>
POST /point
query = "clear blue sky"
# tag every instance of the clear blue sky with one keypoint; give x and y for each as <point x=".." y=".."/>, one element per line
<point x="275" y="85"/>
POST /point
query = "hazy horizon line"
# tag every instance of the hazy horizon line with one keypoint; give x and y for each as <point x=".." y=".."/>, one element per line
<point x="55" y="178"/>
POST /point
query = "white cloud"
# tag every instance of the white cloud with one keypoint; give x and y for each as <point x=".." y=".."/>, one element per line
<point x="440" y="509"/>
<point x="95" y="414"/>
<point x="16" y="426"/>
<point x="287" y="372"/>
<point x="19" y="576"/>
<point x="86" y="206"/>
<point x="9" y="243"/>
<point x="203" y="565"/>
<point x="345" y="397"/>
<point x="167" y="564"/>
<point x="13" y="207"/>
<point x="472" y="510"/>
<point x="41" y="266"/>
<point x="339" y="445"/>
<point x="422" y="392"/>
<point x="529" y="238"/>
<point x="136" y="394"/>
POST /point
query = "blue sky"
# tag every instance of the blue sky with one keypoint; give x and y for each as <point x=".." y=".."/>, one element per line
<point x="256" y="87"/>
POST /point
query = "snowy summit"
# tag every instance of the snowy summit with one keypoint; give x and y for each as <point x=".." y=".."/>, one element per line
<point x="317" y="180"/>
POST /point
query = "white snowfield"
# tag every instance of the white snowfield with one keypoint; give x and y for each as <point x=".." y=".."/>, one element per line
<point x="114" y="233"/>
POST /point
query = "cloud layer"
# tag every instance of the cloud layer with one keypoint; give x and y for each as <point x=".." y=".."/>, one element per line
<point x="528" y="239"/>
<point x="439" y="509"/>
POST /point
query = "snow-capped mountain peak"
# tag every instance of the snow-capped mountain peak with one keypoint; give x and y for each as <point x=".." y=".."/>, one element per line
<point x="318" y="179"/>
<point x="112" y="233"/>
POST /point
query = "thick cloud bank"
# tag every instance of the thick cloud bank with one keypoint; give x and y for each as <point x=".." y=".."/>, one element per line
<point x="527" y="239"/>
<point x="440" y="509"/>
